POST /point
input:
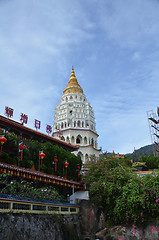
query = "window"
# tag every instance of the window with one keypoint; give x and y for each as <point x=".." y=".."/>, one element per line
<point x="78" y="124"/>
<point x="72" y="140"/>
<point x="85" y="140"/>
<point x="78" y="139"/>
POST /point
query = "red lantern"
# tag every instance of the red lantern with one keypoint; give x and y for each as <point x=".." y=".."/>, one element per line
<point x="22" y="147"/>
<point x="2" y="141"/>
<point x="55" y="160"/>
<point x="78" y="169"/>
<point x="66" y="164"/>
<point x="41" y="155"/>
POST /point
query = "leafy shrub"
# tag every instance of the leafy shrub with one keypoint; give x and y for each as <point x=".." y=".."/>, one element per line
<point x="123" y="196"/>
<point x="27" y="189"/>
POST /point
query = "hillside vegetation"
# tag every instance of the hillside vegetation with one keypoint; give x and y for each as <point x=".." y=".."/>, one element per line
<point x="123" y="196"/>
<point x="138" y="153"/>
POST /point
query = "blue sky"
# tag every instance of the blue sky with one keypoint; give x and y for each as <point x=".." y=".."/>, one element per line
<point x="113" y="46"/>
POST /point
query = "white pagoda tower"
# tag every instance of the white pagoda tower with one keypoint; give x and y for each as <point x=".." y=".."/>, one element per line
<point x="74" y="120"/>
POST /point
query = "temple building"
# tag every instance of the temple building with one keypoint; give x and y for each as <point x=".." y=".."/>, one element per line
<point x="74" y="120"/>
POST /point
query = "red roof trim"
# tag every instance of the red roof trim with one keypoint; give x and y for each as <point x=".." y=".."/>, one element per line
<point x="38" y="174"/>
<point x="5" y="122"/>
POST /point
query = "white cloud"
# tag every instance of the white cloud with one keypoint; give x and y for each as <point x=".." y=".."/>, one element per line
<point x="113" y="46"/>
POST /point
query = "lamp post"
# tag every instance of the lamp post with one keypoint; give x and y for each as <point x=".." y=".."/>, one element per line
<point x="66" y="164"/>
<point x="2" y="141"/>
<point x="41" y="156"/>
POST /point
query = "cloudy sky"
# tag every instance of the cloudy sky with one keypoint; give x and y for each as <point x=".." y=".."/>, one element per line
<point x="113" y="46"/>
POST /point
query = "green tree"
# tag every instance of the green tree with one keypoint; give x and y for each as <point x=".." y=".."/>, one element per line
<point x="124" y="197"/>
<point x="152" y="162"/>
<point x="106" y="178"/>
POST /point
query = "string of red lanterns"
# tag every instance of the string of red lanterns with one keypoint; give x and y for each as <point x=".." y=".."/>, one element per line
<point x="78" y="169"/>
<point x="2" y="141"/>
<point x="55" y="161"/>
<point x="66" y="164"/>
<point x="21" y="147"/>
<point x="41" y="156"/>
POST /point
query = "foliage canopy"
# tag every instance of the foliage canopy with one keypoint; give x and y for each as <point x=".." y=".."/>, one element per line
<point x="123" y="196"/>
<point x="31" y="156"/>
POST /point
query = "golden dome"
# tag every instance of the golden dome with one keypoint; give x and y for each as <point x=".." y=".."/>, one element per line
<point x="73" y="85"/>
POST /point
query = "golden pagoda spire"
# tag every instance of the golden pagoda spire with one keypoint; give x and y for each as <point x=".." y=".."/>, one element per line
<point x="73" y="85"/>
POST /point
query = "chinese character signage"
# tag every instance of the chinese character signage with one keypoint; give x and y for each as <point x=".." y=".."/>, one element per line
<point x="37" y="124"/>
<point x="24" y="118"/>
<point x="48" y="129"/>
<point x="9" y="112"/>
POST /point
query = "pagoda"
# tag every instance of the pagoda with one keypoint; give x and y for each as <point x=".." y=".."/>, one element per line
<point x="74" y="121"/>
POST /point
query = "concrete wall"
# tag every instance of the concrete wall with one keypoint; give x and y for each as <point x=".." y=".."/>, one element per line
<point x="38" y="227"/>
<point x="89" y="224"/>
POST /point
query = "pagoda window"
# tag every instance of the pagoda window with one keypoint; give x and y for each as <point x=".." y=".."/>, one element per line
<point x="67" y="139"/>
<point x="87" y="124"/>
<point x="85" y="140"/>
<point x="72" y="140"/>
<point x="62" y="125"/>
<point x="71" y="97"/>
<point x="75" y="124"/>
<point x="62" y="138"/>
<point x="92" y="142"/>
<point x="82" y="124"/>
<point x="78" y="124"/>
<point x="65" y="124"/>
<point x="78" y="139"/>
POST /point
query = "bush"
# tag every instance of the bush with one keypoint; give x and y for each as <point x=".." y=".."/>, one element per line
<point x="27" y="189"/>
